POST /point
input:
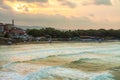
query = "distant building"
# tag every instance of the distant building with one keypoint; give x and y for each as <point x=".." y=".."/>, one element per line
<point x="13" y="23"/>
<point x="17" y="31"/>
<point x="1" y="29"/>
<point x="8" y="27"/>
<point x="89" y="38"/>
<point x="10" y="30"/>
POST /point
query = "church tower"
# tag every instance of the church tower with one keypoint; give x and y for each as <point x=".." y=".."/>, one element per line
<point x="13" y="22"/>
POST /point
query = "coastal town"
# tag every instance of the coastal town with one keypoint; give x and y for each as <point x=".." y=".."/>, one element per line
<point x="59" y="39"/>
<point x="11" y="30"/>
<point x="8" y="32"/>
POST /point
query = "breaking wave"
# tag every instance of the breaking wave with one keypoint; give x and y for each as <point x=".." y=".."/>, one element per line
<point x="53" y="73"/>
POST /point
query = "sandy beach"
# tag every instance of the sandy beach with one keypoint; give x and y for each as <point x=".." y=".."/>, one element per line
<point x="61" y="61"/>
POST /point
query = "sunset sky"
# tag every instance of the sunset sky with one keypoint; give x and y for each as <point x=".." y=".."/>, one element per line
<point x="62" y="14"/>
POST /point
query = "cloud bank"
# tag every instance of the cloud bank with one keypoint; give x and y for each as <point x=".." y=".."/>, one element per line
<point x="97" y="2"/>
<point x="63" y="14"/>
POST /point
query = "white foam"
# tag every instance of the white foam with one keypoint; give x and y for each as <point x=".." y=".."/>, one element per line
<point x="10" y="76"/>
<point x="28" y="52"/>
<point x="34" y="51"/>
<point x="67" y="74"/>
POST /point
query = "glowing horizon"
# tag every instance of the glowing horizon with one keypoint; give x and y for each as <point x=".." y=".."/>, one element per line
<point x="63" y="13"/>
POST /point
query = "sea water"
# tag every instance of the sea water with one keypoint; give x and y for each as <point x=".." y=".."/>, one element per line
<point x="13" y="56"/>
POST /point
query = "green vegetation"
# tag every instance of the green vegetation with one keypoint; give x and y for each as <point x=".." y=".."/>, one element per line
<point x="54" y="33"/>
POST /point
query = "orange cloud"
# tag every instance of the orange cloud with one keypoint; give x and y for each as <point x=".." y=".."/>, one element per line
<point x="52" y="7"/>
<point x="66" y="8"/>
<point x="30" y="8"/>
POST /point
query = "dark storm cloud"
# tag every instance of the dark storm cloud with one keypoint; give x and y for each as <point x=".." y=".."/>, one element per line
<point x="67" y="3"/>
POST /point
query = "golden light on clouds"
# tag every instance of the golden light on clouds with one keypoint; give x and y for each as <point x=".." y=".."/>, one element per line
<point x="21" y="7"/>
<point x="53" y="7"/>
<point x="62" y="12"/>
<point x="24" y="7"/>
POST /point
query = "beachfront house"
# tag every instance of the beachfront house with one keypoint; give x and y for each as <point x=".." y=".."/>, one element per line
<point x="1" y="30"/>
<point x="9" y="30"/>
<point x="88" y="38"/>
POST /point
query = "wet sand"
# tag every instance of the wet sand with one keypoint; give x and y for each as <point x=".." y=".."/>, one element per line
<point x="50" y="61"/>
<point x="92" y="65"/>
<point x="83" y="64"/>
<point x="59" y="62"/>
<point x="116" y="74"/>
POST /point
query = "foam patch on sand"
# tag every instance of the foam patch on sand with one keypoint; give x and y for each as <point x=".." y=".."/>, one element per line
<point x="10" y="76"/>
<point x="24" y="64"/>
<point x="22" y="68"/>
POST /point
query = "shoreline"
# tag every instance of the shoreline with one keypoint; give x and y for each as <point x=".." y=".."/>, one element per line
<point x="46" y="42"/>
<point x="99" y="59"/>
